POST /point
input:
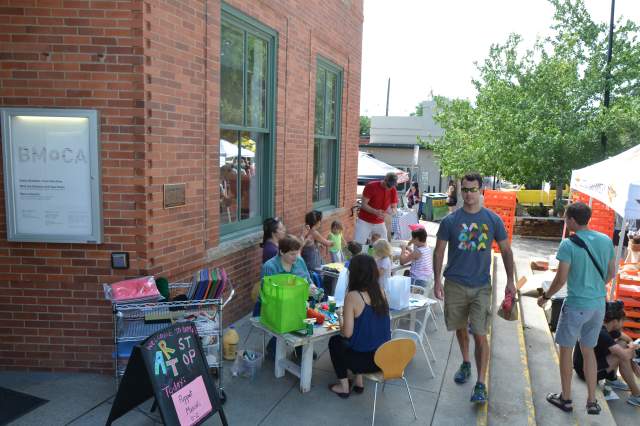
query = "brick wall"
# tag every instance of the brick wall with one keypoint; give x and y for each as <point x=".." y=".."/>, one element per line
<point x="74" y="54"/>
<point x="152" y="70"/>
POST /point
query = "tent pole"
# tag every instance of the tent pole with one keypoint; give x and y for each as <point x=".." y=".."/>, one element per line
<point x="564" y="222"/>
<point x="623" y="230"/>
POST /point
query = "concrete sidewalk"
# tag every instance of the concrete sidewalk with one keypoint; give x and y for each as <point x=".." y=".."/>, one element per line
<point x="85" y="399"/>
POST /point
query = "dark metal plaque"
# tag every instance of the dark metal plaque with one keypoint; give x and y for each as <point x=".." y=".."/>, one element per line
<point x="175" y="195"/>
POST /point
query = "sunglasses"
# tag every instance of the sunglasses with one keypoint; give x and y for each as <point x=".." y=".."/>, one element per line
<point x="474" y="189"/>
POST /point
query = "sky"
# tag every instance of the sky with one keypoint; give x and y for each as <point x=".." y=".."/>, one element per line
<point x="430" y="46"/>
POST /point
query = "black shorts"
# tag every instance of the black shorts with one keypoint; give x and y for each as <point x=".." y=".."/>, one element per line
<point x="602" y="365"/>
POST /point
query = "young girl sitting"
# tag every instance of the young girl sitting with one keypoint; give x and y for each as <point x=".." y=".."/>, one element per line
<point x="382" y="253"/>
<point x="335" y="236"/>
<point x="420" y="257"/>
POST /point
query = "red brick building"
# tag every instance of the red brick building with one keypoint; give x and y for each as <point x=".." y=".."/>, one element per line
<point x="253" y="105"/>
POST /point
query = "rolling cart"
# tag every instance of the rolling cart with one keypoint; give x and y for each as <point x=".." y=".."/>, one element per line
<point x="134" y="322"/>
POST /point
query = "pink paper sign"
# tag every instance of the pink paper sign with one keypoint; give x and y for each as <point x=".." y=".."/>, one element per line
<point x="192" y="402"/>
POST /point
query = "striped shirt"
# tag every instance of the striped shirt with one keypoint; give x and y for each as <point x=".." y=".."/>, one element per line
<point x="422" y="268"/>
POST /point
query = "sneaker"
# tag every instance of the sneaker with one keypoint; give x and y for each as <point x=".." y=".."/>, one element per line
<point x="634" y="400"/>
<point x="479" y="395"/>
<point x="463" y="373"/>
<point x="617" y="384"/>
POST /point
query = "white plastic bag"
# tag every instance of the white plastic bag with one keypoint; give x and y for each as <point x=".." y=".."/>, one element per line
<point x="341" y="287"/>
<point x="398" y="291"/>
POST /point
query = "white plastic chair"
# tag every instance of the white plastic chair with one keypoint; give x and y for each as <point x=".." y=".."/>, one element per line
<point x="419" y="336"/>
<point x="429" y="287"/>
<point x="430" y="302"/>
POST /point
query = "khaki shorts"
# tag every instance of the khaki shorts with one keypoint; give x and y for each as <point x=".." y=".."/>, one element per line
<point x="467" y="305"/>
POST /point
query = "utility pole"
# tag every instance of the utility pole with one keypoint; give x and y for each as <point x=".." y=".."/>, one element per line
<point x="388" y="89"/>
<point x="607" y="76"/>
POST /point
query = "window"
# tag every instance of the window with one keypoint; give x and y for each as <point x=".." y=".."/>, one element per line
<point x="326" y="147"/>
<point x="247" y="111"/>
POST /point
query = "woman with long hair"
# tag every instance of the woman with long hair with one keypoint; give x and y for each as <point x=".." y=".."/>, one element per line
<point x="452" y="196"/>
<point x="273" y="231"/>
<point x="413" y="195"/>
<point x="365" y="326"/>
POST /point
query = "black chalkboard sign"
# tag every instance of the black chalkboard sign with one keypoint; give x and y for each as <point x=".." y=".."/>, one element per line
<point x="170" y="366"/>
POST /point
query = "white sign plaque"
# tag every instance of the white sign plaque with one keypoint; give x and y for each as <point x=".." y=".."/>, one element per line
<point x="52" y="175"/>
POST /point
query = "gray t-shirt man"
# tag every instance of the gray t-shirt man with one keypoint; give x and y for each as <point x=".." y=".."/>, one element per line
<point x="469" y="238"/>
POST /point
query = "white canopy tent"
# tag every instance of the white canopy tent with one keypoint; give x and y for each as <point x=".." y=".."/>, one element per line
<point x="229" y="150"/>
<point x="616" y="183"/>
<point x="370" y="168"/>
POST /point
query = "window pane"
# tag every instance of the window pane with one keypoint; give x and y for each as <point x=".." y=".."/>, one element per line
<point x="317" y="165"/>
<point x="256" y="81"/>
<point x="323" y="169"/>
<point x="251" y="151"/>
<point x="319" y="114"/>
<point x="228" y="176"/>
<point x="332" y="96"/>
<point x="231" y="61"/>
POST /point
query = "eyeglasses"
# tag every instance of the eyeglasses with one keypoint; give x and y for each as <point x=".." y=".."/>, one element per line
<point x="474" y="189"/>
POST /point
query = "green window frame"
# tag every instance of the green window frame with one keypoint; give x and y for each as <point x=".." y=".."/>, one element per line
<point x="247" y="118"/>
<point x="327" y="132"/>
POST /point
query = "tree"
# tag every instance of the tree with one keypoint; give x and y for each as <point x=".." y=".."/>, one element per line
<point x="418" y="112"/>
<point x="365" y="125"/>
<point x="538" y="115"/>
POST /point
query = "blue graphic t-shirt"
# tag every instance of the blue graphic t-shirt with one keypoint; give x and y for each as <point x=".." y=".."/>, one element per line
<point x="469" y="237"/>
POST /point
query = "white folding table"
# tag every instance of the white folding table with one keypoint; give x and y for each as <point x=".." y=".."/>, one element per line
<point x="287" y="341"/>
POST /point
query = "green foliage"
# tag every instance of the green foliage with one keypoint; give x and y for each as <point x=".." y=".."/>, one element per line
<point x="538" y="115"/>
<point x="365" y="125"/>
<point x="538" y="211"/>
<point x="418" y="112"/>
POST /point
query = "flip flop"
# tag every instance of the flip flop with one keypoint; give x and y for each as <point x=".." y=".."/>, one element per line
<point x="356" y="389"/>
<point x="563" y="404"/>
<point x="343" y="395"/>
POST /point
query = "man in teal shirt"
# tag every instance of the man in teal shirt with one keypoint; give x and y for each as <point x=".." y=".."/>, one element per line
<point x="586" y="264"/>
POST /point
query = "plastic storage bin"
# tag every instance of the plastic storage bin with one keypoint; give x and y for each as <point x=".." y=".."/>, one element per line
<point x="245" y="367"/>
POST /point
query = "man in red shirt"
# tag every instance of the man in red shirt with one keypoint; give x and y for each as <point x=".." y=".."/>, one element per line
<point x="378" y="197"/>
